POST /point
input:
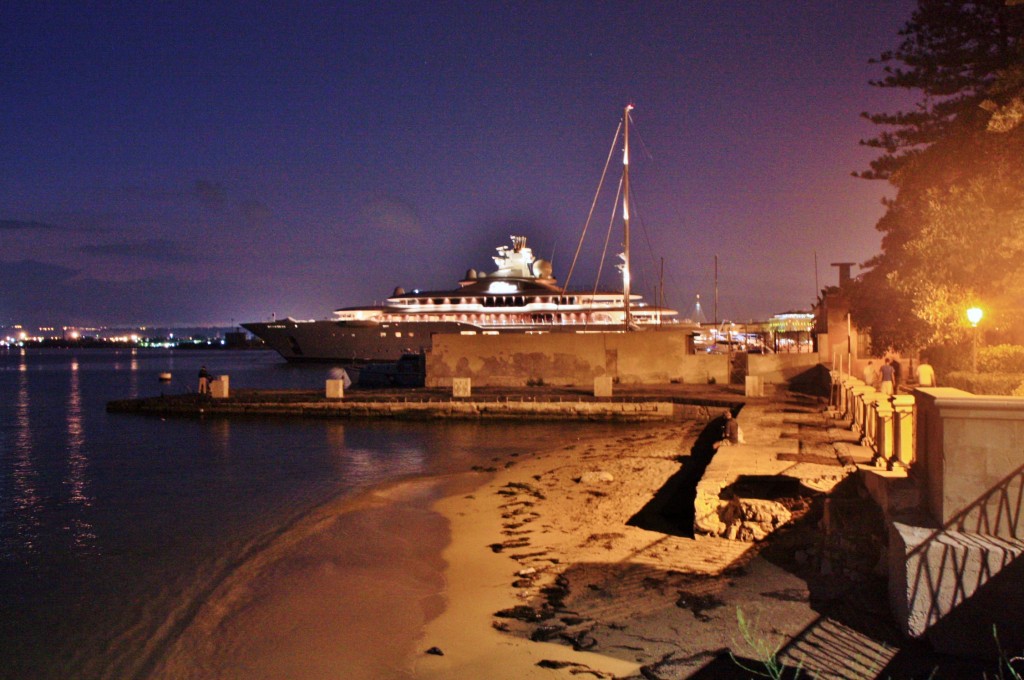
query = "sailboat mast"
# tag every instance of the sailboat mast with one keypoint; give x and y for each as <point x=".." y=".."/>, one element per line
<point x="625" y="220"/>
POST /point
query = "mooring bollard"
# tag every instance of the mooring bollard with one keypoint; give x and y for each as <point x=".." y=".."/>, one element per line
<point x="220" y="387"/>
<point x="461" y="387"/>
<point x="335" y="389"/>
<point x="754" y="386"/>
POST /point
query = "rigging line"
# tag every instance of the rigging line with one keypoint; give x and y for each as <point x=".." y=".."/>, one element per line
<point x="643" y="145"/>
<point x="607" y="237"/>
<point x="638" y="213"/>
<point x="593" y="205"/>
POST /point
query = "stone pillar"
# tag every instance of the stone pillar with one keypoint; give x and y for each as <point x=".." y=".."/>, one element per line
<point x="857" y="406"/>
<point x="220" y="387"/>
<point x="461" y="387"/>
<point x="846" y="405"/>
<point x="835" y="395"/>
<point x="335" y="389"/>
<point x="884" y="439"/>
<point x="903" y="431"/>
<point x="870" y="434"/>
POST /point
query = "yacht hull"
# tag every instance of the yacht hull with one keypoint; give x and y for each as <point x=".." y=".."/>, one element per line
<point x="347" y="342"/>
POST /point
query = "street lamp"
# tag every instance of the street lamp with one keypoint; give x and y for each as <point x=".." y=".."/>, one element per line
<point x="974" y="315"/>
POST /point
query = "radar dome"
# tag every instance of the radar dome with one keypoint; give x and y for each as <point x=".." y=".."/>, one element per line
<point x="470" y="273"/>
<point x="398" y="291"/>
<point x="542" y="269"/>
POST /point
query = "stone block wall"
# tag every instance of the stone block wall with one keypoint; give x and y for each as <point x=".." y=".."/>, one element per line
<point x="645" y="357"/>
<point x="968" y="444"/>
<point x="777" y="369"/>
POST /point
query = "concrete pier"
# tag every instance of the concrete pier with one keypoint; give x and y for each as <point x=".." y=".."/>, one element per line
<point x="629" y="404"/>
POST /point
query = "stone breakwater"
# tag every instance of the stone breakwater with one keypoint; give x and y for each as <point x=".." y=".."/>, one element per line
<point x="426" y="404"/>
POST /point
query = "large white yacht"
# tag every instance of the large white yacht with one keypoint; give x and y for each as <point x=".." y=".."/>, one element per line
<point x="520" y="296"/>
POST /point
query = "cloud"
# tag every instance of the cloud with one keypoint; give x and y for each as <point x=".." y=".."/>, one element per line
<point x="212" y="195"/>
<point x="254" y="212"/>
<point x="392" y="216"/>
<point x="37" y="293"/>
<point x="18" y="225"/>
<point x="156" y="250"/>
<point x="31" y="273"/>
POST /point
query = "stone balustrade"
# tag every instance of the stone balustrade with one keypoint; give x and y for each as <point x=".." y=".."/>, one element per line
<point x="859" y="408"/>
<point x="949" y="475"/>
<point x="885" y="423"/>
<point x="884" y="442"/>
<point x="904" y="442"/>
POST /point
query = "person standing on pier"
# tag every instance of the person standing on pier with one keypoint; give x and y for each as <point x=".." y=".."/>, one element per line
<point x="204" y="381"/>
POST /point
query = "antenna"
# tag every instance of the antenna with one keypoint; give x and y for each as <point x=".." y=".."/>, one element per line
<point x="716" y="290"/>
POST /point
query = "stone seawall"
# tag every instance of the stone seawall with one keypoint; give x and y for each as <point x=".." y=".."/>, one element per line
<point x="632" y="410"/>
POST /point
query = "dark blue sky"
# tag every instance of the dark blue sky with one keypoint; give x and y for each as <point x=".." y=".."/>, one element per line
<point x="217" y="162"/>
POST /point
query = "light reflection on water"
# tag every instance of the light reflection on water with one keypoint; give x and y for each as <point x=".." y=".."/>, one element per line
<point x="112" y="525"/>
<point x="83" y="537"/>
<point x="24" y="474"/>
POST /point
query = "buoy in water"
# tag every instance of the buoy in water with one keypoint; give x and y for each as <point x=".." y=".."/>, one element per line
<point x="165" y="377"/>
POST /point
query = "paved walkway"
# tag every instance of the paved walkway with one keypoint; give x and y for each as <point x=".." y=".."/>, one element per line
<point x="789" y="442"/>
<point x="793" y="436"/>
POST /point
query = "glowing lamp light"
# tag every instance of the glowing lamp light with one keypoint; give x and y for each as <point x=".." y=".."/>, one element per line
<point x="974" y="315"/>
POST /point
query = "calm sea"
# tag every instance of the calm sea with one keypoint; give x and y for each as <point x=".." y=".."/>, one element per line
<point x="111" y="523"/>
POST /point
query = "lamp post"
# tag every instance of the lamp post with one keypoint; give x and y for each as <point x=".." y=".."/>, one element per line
<point x="974" y="315"/>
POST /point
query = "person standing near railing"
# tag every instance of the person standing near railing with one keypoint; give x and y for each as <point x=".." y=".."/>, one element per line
<point x="925" y="374"/>
<point x="871" y="375"/>
<point x="888" y="377"/>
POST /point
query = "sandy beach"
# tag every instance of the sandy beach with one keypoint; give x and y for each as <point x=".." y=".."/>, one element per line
<point x="559" y="563"/>
<point x="626" y="596"/>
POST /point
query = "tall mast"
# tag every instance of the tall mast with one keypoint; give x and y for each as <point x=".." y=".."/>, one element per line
<point x="625" y="220"/>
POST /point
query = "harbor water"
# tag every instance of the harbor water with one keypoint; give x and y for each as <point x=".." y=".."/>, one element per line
<point x="114" y="527"/>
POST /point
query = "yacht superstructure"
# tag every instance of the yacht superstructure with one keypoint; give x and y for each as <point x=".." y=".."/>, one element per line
<point x="520" y="296"/>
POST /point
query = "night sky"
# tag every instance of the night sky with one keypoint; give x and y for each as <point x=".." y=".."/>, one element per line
<point x="212" y="163"/>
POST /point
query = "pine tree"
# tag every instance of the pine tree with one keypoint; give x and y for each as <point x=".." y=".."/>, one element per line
<point x="954" y="234"/>
<point x="953" y="53"/>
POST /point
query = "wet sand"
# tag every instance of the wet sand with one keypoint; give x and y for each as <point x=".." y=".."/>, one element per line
<point x="360" y="587"/>
<point x="345" y="593"/>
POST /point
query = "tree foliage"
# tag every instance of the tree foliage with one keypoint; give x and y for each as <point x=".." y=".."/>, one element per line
<point x="953" y="53"/>
<point x="954" y="235"/>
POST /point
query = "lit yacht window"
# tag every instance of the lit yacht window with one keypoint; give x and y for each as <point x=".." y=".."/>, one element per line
<point x="501" y="287"/>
